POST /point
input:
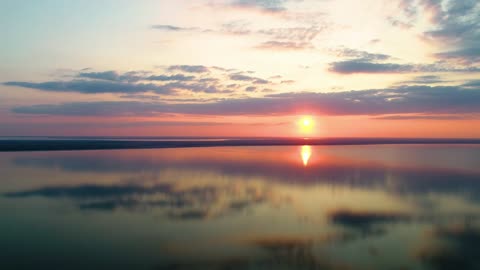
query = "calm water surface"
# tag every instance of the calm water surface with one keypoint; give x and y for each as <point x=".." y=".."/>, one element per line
<point x="307" y="207"/>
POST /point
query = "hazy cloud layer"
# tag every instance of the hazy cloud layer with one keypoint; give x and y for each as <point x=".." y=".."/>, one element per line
<point x="358" y="61"/>
<point x="361" y="65"/>
<point x="170" y="80"/>
<point x="359" y="54"/>
<point x="428" y="117"/>
<point x="473" y="84"/>
<point x="284" y="45"/>
<point x="168" y="27"/>
<point x="295" y="38"/>
<point x="404" y="99"/>
<point x="426" y="79"/>
<point x="92" y="87"/>
<point x="265" y="5"/>
<point x="188" y="68"/>
<point x="285" y="38"/>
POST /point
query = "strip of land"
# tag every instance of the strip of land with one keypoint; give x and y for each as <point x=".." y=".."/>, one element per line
<point x="74" y="144"/>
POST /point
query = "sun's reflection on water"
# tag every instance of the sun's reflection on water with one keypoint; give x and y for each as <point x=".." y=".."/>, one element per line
<point x="306" y="152"/>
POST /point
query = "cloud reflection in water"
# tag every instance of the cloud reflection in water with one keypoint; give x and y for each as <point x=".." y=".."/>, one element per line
<point x="262" y="207"/>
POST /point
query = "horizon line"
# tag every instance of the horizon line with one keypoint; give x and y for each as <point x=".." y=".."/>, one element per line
<point x="18" y="145"/>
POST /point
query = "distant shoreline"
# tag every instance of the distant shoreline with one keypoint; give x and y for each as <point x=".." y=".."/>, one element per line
<point x="18" y="145"/>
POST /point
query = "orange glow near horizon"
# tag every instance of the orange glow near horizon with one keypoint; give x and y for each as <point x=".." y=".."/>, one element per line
<point x="245" y="126"/>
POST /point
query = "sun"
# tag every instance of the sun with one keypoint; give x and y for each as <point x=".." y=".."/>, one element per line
<point x="306" y="125"/>
<point x="306" y="122"/>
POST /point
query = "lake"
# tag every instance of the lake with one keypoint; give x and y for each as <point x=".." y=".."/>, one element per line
<point x="269" y="207"/>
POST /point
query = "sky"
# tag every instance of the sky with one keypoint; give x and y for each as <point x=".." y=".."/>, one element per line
<point x="371" y="68"/>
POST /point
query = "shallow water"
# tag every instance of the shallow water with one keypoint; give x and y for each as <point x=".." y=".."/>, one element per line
<point x="300" y="207"/>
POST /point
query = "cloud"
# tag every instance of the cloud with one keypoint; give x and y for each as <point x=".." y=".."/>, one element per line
<point x="191" y="78"/>
<point x="359" y="61"/>
<point x="368" y="66"/>
<point x="173" y="28"/>
<point x="455" y="27"/>
<point x="189" y="68"/>
<point x="241" y="77"/>
<point x="457" y="24"/>
<point x="427" y="117"/>
<point x="466" y="54"/>
<point x="426" y="79"/>
<point x="230" y="28"/>
<point x="131" y="76"/>
<point x="284" y="45"/>
<point x="91" y="87"/>
<point x="105" y="108"/>
<point x="176" y="77"/>
<point x="264" y="5"/>
<point x="365" y="62"/>
<point x="399" y="23"/>
<point x="117" y="125"/>
<point x="295" y="33"/>
<point x="251" y="89"/>
<point x="359" y="54"/>
<point x="474" y="83"/>
<point x="106" y="75"/>
<point x="363" y="66"/>
<point x="134" y="76"/>
<point x="397" y="100"/>
<point x="236" y="28"/>
<point x="196" y="87"/>
<point x="292" y="38"/>
<point x="296" y="38"/>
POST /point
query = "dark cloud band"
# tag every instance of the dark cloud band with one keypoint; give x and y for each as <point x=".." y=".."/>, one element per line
<point x="404" y="99"/>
